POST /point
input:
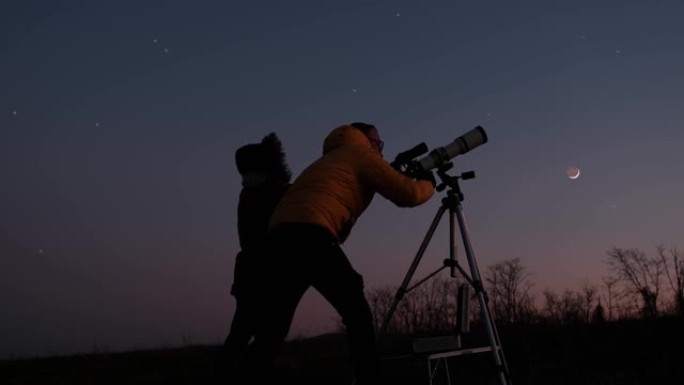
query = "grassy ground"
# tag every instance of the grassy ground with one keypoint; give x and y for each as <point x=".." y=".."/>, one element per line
<point x="625" y="353"/>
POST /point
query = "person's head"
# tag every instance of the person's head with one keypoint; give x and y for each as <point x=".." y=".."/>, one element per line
<point x="371" y="133"/>
<point x="266" y="158"/>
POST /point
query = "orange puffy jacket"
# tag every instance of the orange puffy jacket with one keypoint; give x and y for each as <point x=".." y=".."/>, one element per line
<point x="334" y="190"/>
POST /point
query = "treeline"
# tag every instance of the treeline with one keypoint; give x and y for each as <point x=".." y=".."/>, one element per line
<point x="636" y="286"/>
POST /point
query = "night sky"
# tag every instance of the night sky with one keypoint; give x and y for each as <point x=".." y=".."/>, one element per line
<point x="119" y="121"/>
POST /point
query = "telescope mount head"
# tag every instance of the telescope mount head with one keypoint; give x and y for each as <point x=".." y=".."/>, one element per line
<point x="451" y="181"/>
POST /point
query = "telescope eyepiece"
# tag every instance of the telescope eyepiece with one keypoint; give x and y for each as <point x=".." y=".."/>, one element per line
<point x="404" y="158"/>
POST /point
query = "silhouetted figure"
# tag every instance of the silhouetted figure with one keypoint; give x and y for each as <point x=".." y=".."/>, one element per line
<point x="312" y="220"/>
<point x="265" y="178"/>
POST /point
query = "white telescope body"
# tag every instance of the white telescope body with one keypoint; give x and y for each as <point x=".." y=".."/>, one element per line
<point x="464" y="143"/>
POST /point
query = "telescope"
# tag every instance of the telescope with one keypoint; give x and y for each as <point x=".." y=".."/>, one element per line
<point x="406" y="163"/>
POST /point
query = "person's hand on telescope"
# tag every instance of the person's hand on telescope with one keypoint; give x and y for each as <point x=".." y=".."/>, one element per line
<point x="426" y="175"/>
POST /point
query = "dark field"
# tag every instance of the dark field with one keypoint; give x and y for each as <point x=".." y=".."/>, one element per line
<point x="634" y="352"/>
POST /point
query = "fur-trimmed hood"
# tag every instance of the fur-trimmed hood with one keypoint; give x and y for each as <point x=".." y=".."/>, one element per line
<point x="265" y="160"/>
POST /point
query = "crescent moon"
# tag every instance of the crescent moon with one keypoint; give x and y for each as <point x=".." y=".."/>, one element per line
<point x="573" y="173"/>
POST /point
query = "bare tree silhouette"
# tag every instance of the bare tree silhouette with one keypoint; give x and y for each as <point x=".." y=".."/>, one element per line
<point x="641" y="275"/>
<point x="589" y="294"/>
<point x="567" y="308"/>
<point x="380" y="300"/>
<point x="633" y="287"/>
<point x="674" y="271"/>
<point x="609" y="283"/>
<point x="428" y="307"/>
<point x="509" y="290"/>
<point x="598" y="315"/>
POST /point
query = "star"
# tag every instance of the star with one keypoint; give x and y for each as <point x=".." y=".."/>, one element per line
<point x="14" y="113"/>
<point x="97" y="124"/>
<point x="154" y="41"/>
<point x="397" y="14"/>
<point x="166" y="50"/>
<point x="617" y="51"/>
<point x="40" y="251"/>
<point x="354" y="90"/>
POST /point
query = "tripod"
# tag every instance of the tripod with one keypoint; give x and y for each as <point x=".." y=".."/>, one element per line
<point x="452" y="202"/>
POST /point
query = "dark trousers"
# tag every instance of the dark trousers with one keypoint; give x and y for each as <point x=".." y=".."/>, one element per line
<point x="247" y="291"/>
<point x="304" y="256"/>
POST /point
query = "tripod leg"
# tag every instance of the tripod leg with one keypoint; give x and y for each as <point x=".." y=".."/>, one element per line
<point x="407" y="279"/>
<point x="497" y="350"/>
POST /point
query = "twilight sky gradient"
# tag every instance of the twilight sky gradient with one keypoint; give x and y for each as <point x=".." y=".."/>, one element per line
<point x="119" y="121"/>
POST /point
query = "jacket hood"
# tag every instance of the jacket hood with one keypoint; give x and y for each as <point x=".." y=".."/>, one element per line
<point x="265" y="159"/>
<point x="343" y="136"/>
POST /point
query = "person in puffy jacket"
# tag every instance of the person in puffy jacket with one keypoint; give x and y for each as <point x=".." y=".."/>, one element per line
<point x="307" y="228"/>
<point x="265" y="178"/>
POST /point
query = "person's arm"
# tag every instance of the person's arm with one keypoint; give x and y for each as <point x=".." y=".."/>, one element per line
<point x="392" y="184"/>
